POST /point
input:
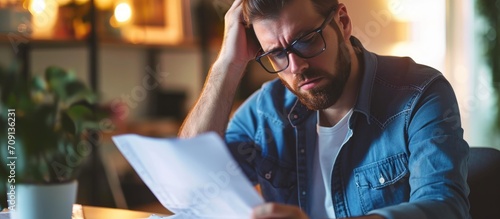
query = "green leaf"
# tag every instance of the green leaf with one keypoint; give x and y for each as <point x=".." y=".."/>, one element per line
<point x="38" y="83"/>
<point x="58" y="74"/>
<point x="90" y="125"/>
<point x="57" y="78"/>
<point x="79" y="114"/>
<point x="74" y="88"/>
<point x="76" y="91"/>
<point x="67" y="123"/>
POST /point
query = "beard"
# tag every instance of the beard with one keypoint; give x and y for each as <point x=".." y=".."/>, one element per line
<point x="322" y="97"/>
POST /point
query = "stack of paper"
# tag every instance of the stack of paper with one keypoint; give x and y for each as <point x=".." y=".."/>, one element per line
<point x="193" y="178"/>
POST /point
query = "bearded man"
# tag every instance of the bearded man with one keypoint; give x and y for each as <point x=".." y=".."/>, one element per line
<point x="344" y="132"/>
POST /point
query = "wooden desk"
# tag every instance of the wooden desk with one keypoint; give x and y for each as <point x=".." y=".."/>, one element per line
<point x="91" y="212"/>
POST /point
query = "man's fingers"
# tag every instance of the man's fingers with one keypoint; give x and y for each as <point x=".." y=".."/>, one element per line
<point x="234" y="8"/>
<point x="263" y="210"/>
<point x="273" y="210"/>
<point x="235" y="4"/>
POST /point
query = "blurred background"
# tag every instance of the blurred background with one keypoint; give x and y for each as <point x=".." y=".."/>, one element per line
<point x="148" y="60"/>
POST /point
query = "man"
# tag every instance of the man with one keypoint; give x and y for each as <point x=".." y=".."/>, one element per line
<point x="344" y="132"/>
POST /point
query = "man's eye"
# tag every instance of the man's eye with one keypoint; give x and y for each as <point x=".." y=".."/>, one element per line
<point x="278" y="53"/>
<point x="308" y="38"/>
<point x="305" y="42"/>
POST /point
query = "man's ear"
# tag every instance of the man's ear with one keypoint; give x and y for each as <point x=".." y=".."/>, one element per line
<point x="344" y="20"/>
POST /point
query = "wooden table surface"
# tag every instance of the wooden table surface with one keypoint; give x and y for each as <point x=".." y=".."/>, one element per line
<point x="91" y="212"/>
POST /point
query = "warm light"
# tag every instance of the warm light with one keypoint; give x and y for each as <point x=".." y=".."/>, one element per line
<point x="411" y="10"/>
<point x="81" y="2"/>
<point x="44" y="16"/>
<point x="8" y="2"/>
<point x="38" y="6"/>
<point x="171" y="34"/>
<point x="425" y="51"/>
<point x="104" y="4"/>
<point x="403" y="49"/>
<point x="426" y="37"/>
<point x="123" y="12"/>
<point x="63" y="2"/>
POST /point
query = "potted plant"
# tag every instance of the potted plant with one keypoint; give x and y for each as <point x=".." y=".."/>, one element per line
<point x="489" y="11"/>
<point x="44" y="125"/>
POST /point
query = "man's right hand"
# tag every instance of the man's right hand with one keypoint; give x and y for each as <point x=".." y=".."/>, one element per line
<point x="212" y="110"/>
<point x="239" y="45"/>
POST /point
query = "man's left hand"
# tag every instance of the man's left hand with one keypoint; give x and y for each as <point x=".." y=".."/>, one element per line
<point x="277" y="211"/>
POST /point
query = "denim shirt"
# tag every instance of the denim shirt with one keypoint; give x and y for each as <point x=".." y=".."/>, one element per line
<point x="406" y="157"/>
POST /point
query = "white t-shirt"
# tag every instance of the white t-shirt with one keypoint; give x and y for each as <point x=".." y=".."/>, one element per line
<point x="330" y="140"/>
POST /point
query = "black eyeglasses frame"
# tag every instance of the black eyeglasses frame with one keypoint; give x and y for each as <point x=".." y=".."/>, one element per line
<point x="291" y="49"/>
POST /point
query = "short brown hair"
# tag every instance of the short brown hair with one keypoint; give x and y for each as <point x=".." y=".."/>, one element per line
<point x="264" y="9"/>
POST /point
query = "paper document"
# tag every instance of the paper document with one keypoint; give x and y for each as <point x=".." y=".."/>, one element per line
<point x="193" y="178"/>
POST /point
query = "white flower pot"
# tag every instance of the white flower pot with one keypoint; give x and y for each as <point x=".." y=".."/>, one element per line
<point x="40" y="201"/>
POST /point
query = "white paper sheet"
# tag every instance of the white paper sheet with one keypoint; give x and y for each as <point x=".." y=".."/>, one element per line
<point x="4" y="215"/>
<point x="193" y="178"/>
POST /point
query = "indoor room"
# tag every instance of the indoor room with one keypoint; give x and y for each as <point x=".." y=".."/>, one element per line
<point x="77" y="73"/>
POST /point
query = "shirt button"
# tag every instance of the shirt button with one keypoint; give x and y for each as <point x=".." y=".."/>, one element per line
<point x="381" y="180"/>
<point x="268" y="175"/>
<point x="302" y="151"/>
<point x="295" y="116"/>
<point x="303" y="192"/>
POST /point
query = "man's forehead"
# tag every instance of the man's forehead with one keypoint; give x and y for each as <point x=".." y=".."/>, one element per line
<point x="295" y="19"/>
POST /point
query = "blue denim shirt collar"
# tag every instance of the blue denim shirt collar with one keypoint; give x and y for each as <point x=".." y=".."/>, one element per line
<point x="369" y="69"/>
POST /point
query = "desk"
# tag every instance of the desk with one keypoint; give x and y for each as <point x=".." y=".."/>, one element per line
<point x="90" y="212"/>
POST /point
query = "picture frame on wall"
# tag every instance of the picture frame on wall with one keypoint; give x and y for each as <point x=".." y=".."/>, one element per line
<point x="159" y="22"/>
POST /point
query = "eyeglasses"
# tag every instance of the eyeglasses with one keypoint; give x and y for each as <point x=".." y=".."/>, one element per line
<point x="307" y="46"/>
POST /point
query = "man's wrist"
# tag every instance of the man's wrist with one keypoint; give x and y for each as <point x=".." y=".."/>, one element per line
<point x="229" y="67"/>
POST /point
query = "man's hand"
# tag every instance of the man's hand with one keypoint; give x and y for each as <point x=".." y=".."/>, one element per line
<point x="239" y="45"/>
<point x="211" y="112"/>
<point x="276" y="211"/>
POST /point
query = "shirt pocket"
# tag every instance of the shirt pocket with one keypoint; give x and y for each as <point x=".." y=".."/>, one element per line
<point x="383" y="183"/>
<point x="277" y="182"/>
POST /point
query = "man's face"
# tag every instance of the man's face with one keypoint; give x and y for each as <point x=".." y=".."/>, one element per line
<point x="318" y="82"/>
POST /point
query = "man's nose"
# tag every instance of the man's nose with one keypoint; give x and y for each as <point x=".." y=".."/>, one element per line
<point x="297" y="64"/>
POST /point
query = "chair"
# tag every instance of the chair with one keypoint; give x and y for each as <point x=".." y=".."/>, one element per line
<point x="484" y="182"/>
